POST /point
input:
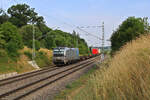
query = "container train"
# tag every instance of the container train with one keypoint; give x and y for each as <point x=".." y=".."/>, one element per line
<point x="65" y="55"/>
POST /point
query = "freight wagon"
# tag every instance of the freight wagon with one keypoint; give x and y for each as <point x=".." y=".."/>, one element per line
<point x="95" y="51"/>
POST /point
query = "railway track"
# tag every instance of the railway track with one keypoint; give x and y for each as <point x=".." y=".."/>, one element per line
<point x="26" y="75"/>
<point x="25" y="89"/>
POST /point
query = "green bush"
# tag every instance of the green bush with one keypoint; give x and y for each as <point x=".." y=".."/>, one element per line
<point x="12" y="49"/>
<point x="28" y="54"/>
<point x="42" y="59"/>
<point x="3" y="53"/>
<point x="37" y="44"/>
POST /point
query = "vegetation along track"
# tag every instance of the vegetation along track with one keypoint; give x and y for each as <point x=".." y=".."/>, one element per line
<point x="32" y="86"/>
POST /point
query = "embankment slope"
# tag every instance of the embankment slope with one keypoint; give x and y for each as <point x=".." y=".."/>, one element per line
<point x="125" y="77"/>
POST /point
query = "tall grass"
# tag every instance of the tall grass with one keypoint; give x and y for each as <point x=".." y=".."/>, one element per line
<point x="126" y="78"/>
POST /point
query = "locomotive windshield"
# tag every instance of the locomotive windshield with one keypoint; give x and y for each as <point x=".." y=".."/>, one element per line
<point x="58" y="52"/>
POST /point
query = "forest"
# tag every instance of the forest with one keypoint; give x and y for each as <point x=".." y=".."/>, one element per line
<point x="17" y="25"/>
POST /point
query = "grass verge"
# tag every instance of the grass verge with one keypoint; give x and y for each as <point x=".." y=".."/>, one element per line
<point x="74" y="87"/>
<point x="125" y="77"/>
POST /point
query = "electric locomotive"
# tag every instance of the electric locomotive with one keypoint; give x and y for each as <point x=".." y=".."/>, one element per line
<point x="65" y="55"/>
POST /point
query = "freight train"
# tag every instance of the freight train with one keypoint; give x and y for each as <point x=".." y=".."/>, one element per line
<point x="65" y="55"/>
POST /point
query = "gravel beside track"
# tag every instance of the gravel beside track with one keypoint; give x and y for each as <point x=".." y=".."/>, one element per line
<point x="26" y="85"/>
<point x="26" y="75"/>
<point x="50" y="91"/>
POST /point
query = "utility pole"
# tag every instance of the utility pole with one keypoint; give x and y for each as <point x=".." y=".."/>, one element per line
<point x="103" y="41"/>
<point x="103" y="37"/>
<point x="77" y="40"/>
<point x="33" y="45"/>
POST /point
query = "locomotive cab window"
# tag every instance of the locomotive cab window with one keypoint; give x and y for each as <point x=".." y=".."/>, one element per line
<point x="58" y="52"/>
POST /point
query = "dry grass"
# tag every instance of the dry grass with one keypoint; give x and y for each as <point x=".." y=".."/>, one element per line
<point x="126" y="78"/>
<point x="49" y="52"/>
<point x="21" y="66"/>
<point x="25" y="49"/>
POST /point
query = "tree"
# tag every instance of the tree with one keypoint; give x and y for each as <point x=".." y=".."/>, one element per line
<point x="2" y="41"/>
<point x="37" y="44"/>
<point x="22" y="14"/>
<point x="27" y="34"/>
<point x="59" y="38"/>
<point x="44" y="29"/>
<point x="74" y="39"/>
<point x="83" y="47"/>
<point x="3" y="16"/>
<point x="130" y="29"/>
<point x="50" y="43"/>
<point x="10" y="39"/>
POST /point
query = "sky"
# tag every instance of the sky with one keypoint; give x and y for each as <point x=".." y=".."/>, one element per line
<point x="69" y="14"/>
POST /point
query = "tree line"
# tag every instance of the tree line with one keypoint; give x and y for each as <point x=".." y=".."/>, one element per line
<point x="129" y="30"/>
<point x="16" y="30"/>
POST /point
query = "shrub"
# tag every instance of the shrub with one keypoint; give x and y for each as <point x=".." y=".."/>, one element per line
<point x="3" y="53"/>
<point x="37" y="44"/>
<point x="28" y="54"/>
<point x="12" y="50"/>
<point x="42" y="59"/>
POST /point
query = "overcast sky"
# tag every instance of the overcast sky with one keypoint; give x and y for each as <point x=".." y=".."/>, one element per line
<point x="68" y="14"/>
